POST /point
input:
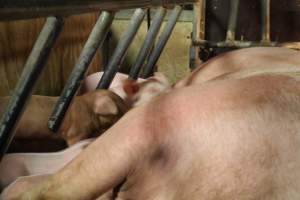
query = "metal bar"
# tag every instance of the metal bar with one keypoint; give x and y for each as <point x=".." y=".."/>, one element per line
<point x="202" y="20"/>
<point x="239" y="44"/>
<point x="148" y="42"/>
<point x="121" y="49"/>
<point x="266" y="20"/>
<point x="163" y="39"/>
<point x="21" y="9"/>
<point x="234" y="11"/>
<point x="94" y="41"/>
<point x="33" y="68"/>
<point x="198" y="32"/>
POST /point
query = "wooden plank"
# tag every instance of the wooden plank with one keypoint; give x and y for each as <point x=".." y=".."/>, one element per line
<point x="17" y="39"/>
<point x="186" y="15"/>
<point x="20" y="9"/>
<point x="287" y="5"/>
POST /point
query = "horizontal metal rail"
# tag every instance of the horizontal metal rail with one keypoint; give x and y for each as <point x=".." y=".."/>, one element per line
<point x="21" y="9"/>
<point x="246" y="44"/>
<point x="33" y="68"/>
<point x="238" y="44"/>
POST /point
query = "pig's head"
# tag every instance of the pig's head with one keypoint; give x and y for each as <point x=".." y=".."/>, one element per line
<point x="139" y="93"/>
<point x="91" y="114"/>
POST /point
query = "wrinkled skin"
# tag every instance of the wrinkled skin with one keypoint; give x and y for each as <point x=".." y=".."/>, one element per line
<point x="273" y="57"/>
<point x="90" y="113"/>
<point x="241" y="141"/>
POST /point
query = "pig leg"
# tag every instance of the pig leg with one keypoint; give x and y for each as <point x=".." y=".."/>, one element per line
<point x="103" y="169"/>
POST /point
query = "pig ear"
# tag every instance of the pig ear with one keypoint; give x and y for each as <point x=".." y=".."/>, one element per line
<point x="105" y="105"/>
<point x="130" y="87"/>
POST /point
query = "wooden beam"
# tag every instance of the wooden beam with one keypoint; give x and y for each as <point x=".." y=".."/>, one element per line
<point x="287" y="5"/>
<point x="22" y="9"/>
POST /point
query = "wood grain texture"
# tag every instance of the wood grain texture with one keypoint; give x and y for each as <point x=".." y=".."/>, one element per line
<point x="17" y="39"/>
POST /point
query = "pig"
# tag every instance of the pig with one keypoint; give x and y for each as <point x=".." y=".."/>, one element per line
<point x="92" y="112"/>
<point x="241" y="141"/>
<point x="35" y="163"/>
<point x="96" y="111"/>
<point x="273" y="57"/>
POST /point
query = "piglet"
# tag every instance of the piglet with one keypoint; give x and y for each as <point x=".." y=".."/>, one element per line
<point x="88" y="115"/>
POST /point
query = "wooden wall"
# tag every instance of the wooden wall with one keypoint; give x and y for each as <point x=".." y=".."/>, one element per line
<point x="174" y="61"/>
<point x="17" y="39"/>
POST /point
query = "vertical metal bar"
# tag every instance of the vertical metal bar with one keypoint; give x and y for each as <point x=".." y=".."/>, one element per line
<point x="148" y="42"/>
<point x="198" y="32"/>
<point x="33" y="68"/>
<point x="94" y="41"/>
<point x="121" y="49"/>
<point x="266" y="20"/>
<point x="163" y="39"/>
<point x="234" y="11"/>
<point x="202" y="20"/>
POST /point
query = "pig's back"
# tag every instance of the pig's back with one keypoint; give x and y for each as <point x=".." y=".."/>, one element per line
<point x="240" y="59"/>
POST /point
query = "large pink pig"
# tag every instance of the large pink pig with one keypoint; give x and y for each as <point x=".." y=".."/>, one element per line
<point x="237" y="110"/>
<point x="241" y="141"/>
